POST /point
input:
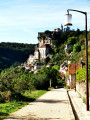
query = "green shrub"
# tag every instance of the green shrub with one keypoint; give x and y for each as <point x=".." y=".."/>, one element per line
<point x="40" y="81"/>
<point x="5" y="96"/>
<point x="70" y="49"/>
<point x="83" y="47"/>
<point x="56" y="67"/>
<point x="2" y="98"/>
<point x="81" y="74"/>
<point x="71" y="40"/>
<point x="50" y="88"/>
<point x="81" y="41"/>
<point x="76" y="48"/>
<point x="84" y="100"/>
<point x="67" y="87"/>
<point x="16" y="80"/>
<point x="67" y="73"/>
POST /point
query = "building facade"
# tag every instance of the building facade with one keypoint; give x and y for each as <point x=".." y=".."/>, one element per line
<point x="44" y="49"/>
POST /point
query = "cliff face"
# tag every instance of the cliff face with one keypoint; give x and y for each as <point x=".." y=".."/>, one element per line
<point x="44" y="48"/>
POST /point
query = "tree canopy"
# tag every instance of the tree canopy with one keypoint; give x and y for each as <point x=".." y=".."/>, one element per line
<point x="14" y="53"/>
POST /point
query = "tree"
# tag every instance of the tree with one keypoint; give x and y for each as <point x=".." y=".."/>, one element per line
<point x="51" y="74"/>
<point x="6" y="78"/>
<point x="15" y="79"/>
<point x="76" y="48"/>
<point x="14" y="53"/>
<point x="71" y="40"/>
<point x="48" y="33"/>
<point x="24" y="82"/>
<point x="40" y="81"/>
<point x="56" y="67"/>
<point x="70" y="49"/>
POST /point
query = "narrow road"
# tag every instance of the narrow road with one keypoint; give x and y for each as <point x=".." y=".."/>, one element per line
<point x="54" y="105"/>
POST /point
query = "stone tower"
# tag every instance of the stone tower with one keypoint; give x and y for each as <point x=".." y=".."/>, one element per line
<point x="61" y="27"/>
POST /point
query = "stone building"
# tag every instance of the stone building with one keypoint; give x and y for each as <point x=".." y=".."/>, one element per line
<point x="30" y="59"/>
<point x="37" y="54"/>
<point x="43" y="40"/>
<point x="44" y="49"/>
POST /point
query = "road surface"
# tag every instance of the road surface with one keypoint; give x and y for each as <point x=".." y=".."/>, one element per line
<point x="54" y="105"/>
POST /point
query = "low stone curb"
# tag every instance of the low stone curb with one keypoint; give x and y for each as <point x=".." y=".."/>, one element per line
<point x="79" y="108"/>
<point x="71" y="111"/>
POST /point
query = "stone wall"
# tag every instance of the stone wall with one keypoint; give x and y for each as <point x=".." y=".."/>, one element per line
<point x="81" y="88"/>
<point x="72" y="82"/>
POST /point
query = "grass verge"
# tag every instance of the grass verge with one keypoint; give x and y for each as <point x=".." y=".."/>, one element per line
<point x="12" y="106"/>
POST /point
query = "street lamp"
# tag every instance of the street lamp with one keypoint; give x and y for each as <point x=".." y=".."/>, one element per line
<point x="68" y="22"/>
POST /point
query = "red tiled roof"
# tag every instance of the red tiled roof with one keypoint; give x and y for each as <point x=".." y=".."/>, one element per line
<point x="73" y="67"/>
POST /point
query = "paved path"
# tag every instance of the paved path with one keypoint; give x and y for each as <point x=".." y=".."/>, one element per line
<point x="54" y="105"/>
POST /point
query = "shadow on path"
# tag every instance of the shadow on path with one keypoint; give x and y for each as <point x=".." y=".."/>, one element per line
<point x="30" y="118"/>
<point x="52" y="101"/>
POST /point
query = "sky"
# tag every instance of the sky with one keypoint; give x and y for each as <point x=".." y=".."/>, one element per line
<point x="21" y="20"/>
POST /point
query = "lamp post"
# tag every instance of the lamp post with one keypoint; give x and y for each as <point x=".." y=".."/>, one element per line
<point x="68" y="22"/>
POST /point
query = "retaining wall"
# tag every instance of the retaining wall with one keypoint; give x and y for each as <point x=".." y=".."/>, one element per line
<point x="81" y="88"/>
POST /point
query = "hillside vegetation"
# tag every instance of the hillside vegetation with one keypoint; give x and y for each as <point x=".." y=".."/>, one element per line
<point x="75" y="53"/>
<point x="14" y="54"/>
<point x="76" y="41"/>
<point x="18" y="84"/>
